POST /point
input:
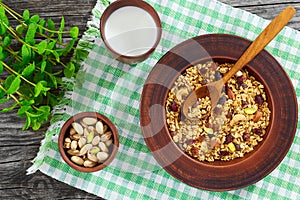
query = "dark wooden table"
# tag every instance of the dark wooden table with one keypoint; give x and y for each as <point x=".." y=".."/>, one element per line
<point x="18" y="148"/>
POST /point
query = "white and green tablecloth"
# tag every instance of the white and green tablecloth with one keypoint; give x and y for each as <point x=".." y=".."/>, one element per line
<point x="114" y="89"/>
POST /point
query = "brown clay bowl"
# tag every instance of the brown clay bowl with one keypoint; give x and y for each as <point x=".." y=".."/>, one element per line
<point x="120" y="4"/>
<point x="65" y="132"/>
<point x="218" y="175"/>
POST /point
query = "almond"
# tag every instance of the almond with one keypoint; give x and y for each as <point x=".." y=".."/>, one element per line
<point x="257" y="116"/>
<point x="230" y="94"/>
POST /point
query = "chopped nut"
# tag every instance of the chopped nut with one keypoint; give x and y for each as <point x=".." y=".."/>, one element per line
<point x="237" y="118"/>
<point x="230" y="94"/>
<point x="231" y="147"/>
<point x="257" y="116"/>
<point x="250" y="110"/>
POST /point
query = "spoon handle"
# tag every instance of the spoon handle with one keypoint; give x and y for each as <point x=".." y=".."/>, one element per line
<point x="262" y="40"/>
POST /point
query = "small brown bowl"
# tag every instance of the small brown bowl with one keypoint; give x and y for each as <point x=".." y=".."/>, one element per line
<point x="123" y="57"/>
<point x="218" y="175"/>
<point x="65" y="133"/>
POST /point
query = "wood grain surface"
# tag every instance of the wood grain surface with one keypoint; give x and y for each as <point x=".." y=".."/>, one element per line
<point x="18" y="148"/>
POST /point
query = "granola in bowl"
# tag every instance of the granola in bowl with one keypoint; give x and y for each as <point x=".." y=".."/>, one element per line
<point x="231" y="129"/>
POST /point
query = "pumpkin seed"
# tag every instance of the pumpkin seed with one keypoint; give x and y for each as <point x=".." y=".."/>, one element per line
<point x="208" y="130"/>
<point x="250" y="110"/>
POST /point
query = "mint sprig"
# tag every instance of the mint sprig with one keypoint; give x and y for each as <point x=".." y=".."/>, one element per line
<point x="32" y="55"/>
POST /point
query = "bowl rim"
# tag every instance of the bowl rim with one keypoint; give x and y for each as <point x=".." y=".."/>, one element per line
<point x="211" y="174"/>
<point x="67" y="125"/>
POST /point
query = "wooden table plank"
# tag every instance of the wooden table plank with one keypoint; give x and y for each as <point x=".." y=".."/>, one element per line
<point x="18" y="148"/>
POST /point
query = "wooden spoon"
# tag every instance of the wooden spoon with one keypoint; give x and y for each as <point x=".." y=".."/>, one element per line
<point x="214" y="89"/>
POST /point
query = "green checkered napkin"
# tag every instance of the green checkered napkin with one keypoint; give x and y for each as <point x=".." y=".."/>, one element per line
<point x="114" y="88"/>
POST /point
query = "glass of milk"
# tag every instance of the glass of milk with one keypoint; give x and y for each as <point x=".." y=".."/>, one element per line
<point x="131" y="30"/>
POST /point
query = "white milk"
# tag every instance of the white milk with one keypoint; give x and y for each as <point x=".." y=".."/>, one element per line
<point x="130" y="31"/>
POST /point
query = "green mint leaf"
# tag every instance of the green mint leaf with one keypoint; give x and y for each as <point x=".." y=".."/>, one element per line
<point x="43" y="66"/>
<point x="30" y="35"/>
<point x="36" y="124"/>
<point x="27" y="123"/>
<point x="69" y="70"/>
<point x="74" y="31"/>
<point x="26" y="53"/>
<point x="53" y="80"/>
<point x="3" y="16"/>
<point x="40" y="88"/>
<point x="3" y="21"/>
<point x="69" y="47"/>
<point x="2" y="12"/>
<point x="42" y="47"/>
<point x="1" y="54"/>
<point x="8" y="81"/>
<point x="22" y="111"/>
<point x="44" y="109"/>
<point x="4" y="100"/>
<point x="51" y="26"/>
<point x="61" y="28"/>
<point x="34" y="19"/>
<point x="52" y="99"/>
<point x="6" y="41"/>
<point x="3" y="29"/>
<point x="26" y="15"/>
<point x="28" y="70"/>
<point x="20" y="29"/>
<point x="56" y="55"/>
<point x="51" y="45"/>
<point x="15" y="85"/>
<point x="4" y="55"/>
<point x="9" y="108"/>
<point x="80" y="54"/>
<point x="45" y="113"/>
<point x="42" y="24"/>
<point x="1" y="67"/>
